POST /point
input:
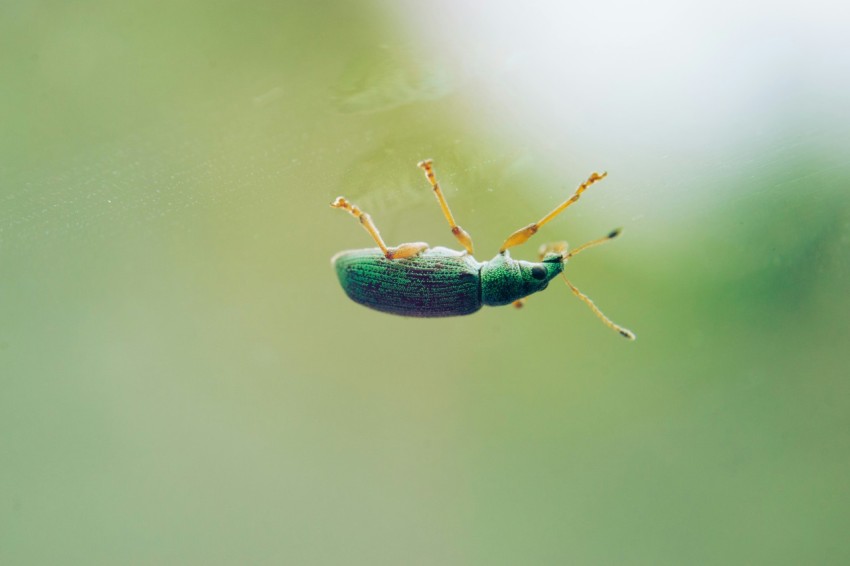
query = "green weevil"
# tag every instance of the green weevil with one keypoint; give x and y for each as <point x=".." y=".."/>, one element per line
<point x="416" y="280"/>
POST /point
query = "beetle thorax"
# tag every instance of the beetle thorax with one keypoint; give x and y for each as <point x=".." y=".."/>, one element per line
<point x="505" y="280"/>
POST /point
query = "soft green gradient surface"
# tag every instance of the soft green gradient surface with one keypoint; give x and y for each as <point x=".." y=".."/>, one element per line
<point x="182" y="381"/>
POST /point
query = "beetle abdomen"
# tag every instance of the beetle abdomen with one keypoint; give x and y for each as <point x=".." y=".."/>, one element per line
<point x="437" y="282"/>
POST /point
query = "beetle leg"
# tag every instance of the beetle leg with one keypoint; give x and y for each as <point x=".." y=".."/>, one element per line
<point x="398" y="252"/>
<point x="523" y="234"/>
<point x="559" y="248"/>
<point x="406" y="250"/>
<point x="462" y="235"/>
<point x="364" y="219"/>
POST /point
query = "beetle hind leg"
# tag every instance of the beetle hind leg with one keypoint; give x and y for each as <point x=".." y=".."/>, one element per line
<point x="399" y="252"/>
<point x="403" y="251"/>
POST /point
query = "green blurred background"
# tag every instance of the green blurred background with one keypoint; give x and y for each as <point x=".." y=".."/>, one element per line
<point x="182" y="381"/>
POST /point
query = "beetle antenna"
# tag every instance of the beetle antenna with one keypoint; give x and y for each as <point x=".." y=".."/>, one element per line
<point x="592" y="244"/>
<point x="625" y="332"/>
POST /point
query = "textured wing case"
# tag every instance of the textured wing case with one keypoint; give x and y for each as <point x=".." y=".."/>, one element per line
<point x="437" y="282"/>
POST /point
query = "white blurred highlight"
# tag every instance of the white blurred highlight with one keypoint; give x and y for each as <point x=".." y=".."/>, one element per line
<point x="618" y="84"/>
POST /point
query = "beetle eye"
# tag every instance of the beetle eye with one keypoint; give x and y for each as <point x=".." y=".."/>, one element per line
<point x="538" y="272"/>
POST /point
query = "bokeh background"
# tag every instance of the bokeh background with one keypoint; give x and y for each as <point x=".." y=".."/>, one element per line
<point x="182" y="381"/>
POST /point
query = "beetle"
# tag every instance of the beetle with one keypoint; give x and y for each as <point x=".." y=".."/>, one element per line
<point x="416" y="280"/>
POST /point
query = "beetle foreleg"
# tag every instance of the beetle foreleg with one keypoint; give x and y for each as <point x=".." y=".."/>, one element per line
<point x="523" y="234"/>
<point x="559" y="248"/>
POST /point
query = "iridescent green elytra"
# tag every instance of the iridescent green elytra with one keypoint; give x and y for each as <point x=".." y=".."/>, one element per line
<point x="416" y="280"/>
